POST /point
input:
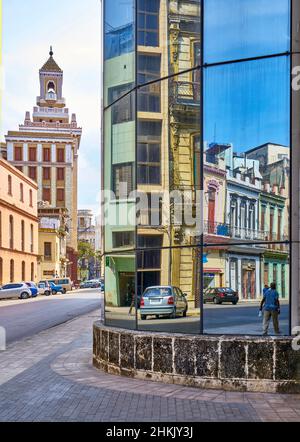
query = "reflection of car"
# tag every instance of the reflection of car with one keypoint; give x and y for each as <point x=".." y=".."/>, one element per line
<point x="15" y="290"/>
<point x="44" y="288"/>
<point x="218" y="295"/>
<point x="163" y="301"/>
<point x="56" y="288"/>
<point x="33" y="288"/>
<point x="102" y="284"/>
<point x="92" y="284"/>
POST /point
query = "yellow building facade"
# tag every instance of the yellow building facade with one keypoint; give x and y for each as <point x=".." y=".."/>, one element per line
<point x="18" y="226"/>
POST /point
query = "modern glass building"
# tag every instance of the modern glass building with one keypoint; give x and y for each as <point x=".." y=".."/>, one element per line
<point x="200" y="150"/>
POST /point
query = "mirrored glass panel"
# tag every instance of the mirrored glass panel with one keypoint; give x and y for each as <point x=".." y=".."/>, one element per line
<point x="119" y="212"/>
<point x="119" y="48"/>
<point x="239" y="29"/>
<point x="236" y="278"/>
<point x="246" y="152"/>
<point x="168" y="159"/>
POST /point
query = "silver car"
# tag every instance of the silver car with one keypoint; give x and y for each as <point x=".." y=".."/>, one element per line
<point x="15" y="290"/>
<point x="163" y="301"/>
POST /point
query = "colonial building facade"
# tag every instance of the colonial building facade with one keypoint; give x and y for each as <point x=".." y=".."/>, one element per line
<point x="18" y="225"/>
<point x="45" y="148"/>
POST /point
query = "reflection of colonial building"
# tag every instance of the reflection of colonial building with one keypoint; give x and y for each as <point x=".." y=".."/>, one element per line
<point x="86" y="232"/>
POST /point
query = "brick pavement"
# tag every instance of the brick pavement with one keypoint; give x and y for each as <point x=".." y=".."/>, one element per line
<point x="49" y="377"/>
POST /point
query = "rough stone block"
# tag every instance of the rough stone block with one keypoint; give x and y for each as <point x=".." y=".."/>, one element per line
<point x="287" y="361"/>
<point x="260" y="360"/>
<point x="114" y="348"/>
<point x="104" y="345"/>
<point x="207" y="358"/>
<point x="233" y="359"/>
<point x="162" y="355"/>
<point x="143" y="352"/>
<point x="127" y="351"/>
<point x="184" y="360"/>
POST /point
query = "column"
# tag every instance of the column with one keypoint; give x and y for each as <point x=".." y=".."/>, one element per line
<point x="39" y="153"/>
<point x="25" y="152"/>
<point x="53" y="153"/>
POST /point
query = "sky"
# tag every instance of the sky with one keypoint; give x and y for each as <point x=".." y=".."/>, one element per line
<point x="72" y="27"/>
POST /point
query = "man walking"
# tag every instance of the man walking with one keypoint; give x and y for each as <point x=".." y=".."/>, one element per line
<point x="271" y="305"/>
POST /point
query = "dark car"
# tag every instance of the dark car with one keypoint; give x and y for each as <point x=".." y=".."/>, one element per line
<point x="218" y="295"/>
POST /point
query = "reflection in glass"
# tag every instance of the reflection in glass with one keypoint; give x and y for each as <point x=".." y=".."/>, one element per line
<point x="235" y="278"/>
<point x="235" y="29"/>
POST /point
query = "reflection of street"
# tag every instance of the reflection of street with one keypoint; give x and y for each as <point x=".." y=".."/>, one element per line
<point x="218" y="319"/>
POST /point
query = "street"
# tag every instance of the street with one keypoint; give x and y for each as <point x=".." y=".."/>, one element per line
<point x="24" y="318"/>
<point x="218" y="319"/>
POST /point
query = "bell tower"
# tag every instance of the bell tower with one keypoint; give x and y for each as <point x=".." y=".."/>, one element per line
<point x="51" y="81"/>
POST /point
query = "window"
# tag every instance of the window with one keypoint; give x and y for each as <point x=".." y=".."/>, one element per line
<point x="32" y="172"/>
<point x="9" y="185"/>
<point x="31" y="238"/>
<point x="149" y="96"/>
<point x="149" y="259"/>
<point x="32" y="154"/>
<point x="47" y="251"/>
<point x="32" y="272"/>
<point x="11" y="270"/>
<point x="122" y="239"/>
<point x="60" y="153"/>
<point x="11" y="232"/>
<point x="152" y="214"/>
<point x="122" y="180"/>
<point x="18" y="154"/>
<point x="60" y="195"/>
<point x="47" y="194"/>
<point x="60" y="174"/>
<point x="46" y="154"/>
<point x="21" y="192"/>
<point x="22" y="236"/>
<point x="20" y="168"/>
<point x="148" y="22"/>
<point x="122" y="111"/>
<point x="46" y="173"/>
<point x="23" y="271"/>
<point x="30" y="198"/>
<point x="148" y="152"/>
<point x="148" y="169"/>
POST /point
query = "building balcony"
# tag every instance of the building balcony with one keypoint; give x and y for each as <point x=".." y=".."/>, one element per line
<point x="244" y="233"/>
<point x="218" y="229"/>
<point x="185" y="93"/>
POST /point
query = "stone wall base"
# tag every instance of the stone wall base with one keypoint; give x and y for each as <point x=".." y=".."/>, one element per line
<point x="214" y="362"/>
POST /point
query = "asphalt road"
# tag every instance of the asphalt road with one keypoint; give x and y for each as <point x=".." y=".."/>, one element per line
<point x="220" y="319"/>
<point x="24" y="318"/>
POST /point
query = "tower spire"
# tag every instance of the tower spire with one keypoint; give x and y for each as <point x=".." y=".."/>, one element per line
<point x="51" y="51"/>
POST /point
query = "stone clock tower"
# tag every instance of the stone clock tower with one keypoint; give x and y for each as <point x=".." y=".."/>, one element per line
<point x="46" y="149"/>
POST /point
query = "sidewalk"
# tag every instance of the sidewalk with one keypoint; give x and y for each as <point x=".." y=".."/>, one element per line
<point x="49" y="377"/>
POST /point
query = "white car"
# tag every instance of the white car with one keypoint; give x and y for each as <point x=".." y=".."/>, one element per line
<point x="15" y="290"/>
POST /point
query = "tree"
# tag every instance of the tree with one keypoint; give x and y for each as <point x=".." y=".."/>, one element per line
<point x="85" y="253"/>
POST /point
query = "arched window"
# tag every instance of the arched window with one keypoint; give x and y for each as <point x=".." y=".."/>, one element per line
<point x="9" y="185"/>
<point x="30" y="198"/>
<point x="31" y="238"/>
<point x="12" y="270"/>
<point x="23" y="271"/>
<point x="32" y="271"/>
<point x="22" y="236"/>
<point x="11" y="232"/>
<point x="51" y="87"/>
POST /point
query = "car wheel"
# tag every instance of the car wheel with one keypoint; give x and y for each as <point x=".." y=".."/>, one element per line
<point x="47" y="293"/>
<point x="143" y="317"/>
<point x="24" y="295"/>
<point x="234" y="302"/>
<point x="216" y="301"/>
<point x="157" y="316"/>
<point x="173" y="314"/>
<point x="64" y="291"/>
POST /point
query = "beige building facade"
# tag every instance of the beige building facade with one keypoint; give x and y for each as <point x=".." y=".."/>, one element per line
<point x="18" y="226"/>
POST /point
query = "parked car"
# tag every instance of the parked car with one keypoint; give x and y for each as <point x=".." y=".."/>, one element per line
<point x="44" y="288"/>
<point x="218" y="295"/>
<point x="66" y="283"/>
<point x="55" y="288"/>
<point x="91" y="284"/>
<point x="33" y="288"/>
<point x="102" y="285"/>
<point x="163" y="301"/>
<point x="15" y="290"/>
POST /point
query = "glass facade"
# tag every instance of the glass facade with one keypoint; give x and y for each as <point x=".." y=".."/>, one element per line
<point x="196" y="161"/>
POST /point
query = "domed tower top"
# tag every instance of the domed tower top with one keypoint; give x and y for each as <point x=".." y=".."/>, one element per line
<point x="51" y="81"/>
